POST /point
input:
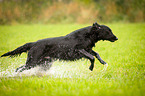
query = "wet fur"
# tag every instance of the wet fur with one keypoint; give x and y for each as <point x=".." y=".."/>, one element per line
<point x="73" y="46"/>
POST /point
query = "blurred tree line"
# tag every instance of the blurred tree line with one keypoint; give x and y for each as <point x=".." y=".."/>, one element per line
<point x="71" y="11"/>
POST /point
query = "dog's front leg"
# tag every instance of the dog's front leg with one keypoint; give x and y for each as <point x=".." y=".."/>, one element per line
<point x="98" y="57"/>
<point x="88" y="56"/>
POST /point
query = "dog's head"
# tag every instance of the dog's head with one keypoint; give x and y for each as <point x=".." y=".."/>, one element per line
<point x="104" y="32"/>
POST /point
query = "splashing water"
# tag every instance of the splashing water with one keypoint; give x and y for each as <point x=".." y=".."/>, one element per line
<point x="58" y="70"/>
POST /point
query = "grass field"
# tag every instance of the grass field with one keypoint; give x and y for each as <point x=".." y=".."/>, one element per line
<point x="125" y="75"/>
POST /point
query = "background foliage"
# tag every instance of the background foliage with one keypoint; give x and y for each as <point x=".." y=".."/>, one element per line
<point x="71" y="11"/>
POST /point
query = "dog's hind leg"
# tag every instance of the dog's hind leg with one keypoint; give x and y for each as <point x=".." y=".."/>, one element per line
<point x="25" y="67"/>
<point x="88" y="56"/>
<point x="19" y="68"/>
<point x="29" y="64"/>
<point x="46" y="65"/>
<point x="32" y="60"/>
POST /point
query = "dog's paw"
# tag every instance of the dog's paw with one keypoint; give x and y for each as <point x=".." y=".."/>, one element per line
<point x="103" y="62"/>
<point x="91" y="68"/>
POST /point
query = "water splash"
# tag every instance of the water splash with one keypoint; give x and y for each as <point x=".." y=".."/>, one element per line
<point x="58" y="70"/>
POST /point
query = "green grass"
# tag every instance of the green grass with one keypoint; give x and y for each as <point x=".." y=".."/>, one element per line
<point x="125" y="75"/>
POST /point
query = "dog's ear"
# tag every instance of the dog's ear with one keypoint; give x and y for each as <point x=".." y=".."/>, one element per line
<point x="96" y="25"/>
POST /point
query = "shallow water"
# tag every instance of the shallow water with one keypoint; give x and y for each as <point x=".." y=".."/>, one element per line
<point x="57" y="70"/>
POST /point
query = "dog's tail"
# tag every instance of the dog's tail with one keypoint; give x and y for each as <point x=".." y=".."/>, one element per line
<point x="19" y="50"/>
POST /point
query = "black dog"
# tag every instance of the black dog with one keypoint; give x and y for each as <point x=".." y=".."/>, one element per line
<point x="73" y="46"/>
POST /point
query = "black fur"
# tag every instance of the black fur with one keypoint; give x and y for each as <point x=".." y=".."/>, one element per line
<point x="73" y="46"/>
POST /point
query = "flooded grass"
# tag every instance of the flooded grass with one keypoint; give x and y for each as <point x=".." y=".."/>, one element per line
<point x="125" y="75"/>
